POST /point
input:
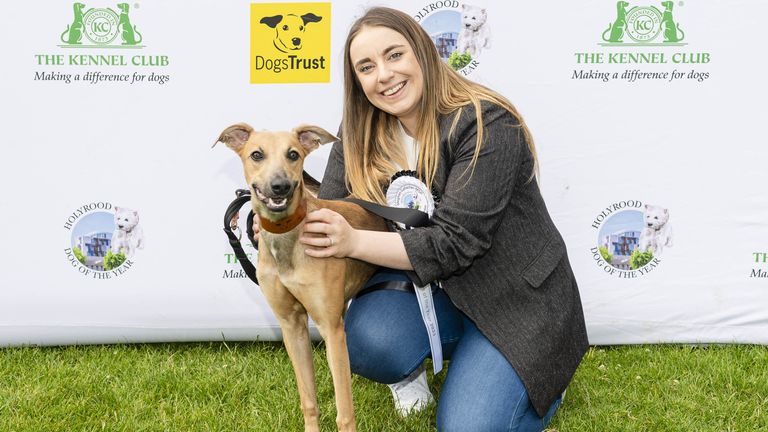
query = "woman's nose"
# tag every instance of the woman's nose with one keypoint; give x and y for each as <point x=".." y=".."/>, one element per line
<point x="385" y="74"/>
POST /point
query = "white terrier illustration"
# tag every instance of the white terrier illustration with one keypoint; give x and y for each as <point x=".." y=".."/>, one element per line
<point x="657" y="232"/>
<point x="475" y="34"/>
<point x="128" y="235"/>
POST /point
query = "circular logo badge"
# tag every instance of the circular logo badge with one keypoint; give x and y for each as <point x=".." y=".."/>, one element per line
<point x="407" y="191"/>
<point x="103" y="239"/>
<point x="619" y="239"/>
<point x="460" y="33"/>
<point x="100" y="25"/>
<point x="644" y="23"/>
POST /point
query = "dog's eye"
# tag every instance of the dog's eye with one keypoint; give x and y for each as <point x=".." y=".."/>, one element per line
<point x="285" y="27"/>
<point x="301" y="28"/>
<point x="257" y="155"/>
<point x="293" y="155"/>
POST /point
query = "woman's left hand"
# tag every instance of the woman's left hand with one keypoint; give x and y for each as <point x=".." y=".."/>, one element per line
<point x="328" y="234"/>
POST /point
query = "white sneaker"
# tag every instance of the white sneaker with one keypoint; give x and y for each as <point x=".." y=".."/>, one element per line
<point x="412" y="394"/>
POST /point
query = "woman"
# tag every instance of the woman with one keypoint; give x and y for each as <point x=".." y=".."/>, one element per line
<point x="509" y="312"/>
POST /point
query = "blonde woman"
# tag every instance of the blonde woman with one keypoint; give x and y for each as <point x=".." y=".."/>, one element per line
<point x="508" y="307"/>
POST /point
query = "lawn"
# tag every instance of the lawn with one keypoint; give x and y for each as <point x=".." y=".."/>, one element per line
<point x="250" y="387"/>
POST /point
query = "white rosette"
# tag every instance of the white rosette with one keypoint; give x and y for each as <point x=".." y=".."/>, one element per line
<point x="407" y="191"/>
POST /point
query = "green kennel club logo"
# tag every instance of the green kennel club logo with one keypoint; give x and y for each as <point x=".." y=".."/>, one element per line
<point x="642" y="25"/>
<point x="100" y="27"/>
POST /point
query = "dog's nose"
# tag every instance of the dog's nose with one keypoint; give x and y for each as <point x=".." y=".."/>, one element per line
<point x="280" y="187"/>
<point x="296" y="41"/>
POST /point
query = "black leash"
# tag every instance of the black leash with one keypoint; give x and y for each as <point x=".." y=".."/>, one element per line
<point x="243" y="196"/>
<point x="408" y="217"/>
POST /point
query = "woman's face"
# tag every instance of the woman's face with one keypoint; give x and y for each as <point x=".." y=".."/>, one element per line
<point x="388" y="72"/>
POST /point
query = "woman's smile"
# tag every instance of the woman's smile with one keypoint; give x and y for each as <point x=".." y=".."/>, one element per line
<point x="394" y="90"/>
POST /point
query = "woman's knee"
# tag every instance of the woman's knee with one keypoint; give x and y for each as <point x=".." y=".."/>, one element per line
<point x="383" y="338"/>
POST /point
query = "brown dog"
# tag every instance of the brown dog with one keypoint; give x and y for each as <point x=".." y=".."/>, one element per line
<point x="294" y="283"/>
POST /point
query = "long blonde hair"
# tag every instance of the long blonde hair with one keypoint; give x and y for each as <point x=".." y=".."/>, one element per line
<point x="371" y="136"/>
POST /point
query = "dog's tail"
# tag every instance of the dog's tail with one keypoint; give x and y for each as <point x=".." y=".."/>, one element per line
<point x="311" y="184"/>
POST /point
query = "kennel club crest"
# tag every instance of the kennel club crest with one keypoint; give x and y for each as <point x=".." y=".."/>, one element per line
<point x="632" y="236"/>
<point x="102" y="239"/>
<point x="642" y="25"/>
<point x="101" y="27"/>
<point x="460" y="32"/>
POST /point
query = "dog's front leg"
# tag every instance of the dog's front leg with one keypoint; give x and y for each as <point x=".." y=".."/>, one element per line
<point x="297" y="343"/>
<point x="293" y="322"/>
<point x="338" y="360"/>
<point x="327" y="310"/>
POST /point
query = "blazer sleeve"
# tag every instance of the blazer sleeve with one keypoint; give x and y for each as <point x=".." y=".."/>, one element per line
<point x="333" y="185"/>
<point x="473" y="202"/>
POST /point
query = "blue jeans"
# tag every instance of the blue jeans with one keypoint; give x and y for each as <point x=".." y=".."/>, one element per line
<point x="387" y="341"/>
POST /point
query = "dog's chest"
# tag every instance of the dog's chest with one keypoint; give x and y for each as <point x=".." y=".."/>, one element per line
<point x="283" y="248"/>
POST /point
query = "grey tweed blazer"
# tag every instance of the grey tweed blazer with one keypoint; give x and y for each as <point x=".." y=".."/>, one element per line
<point x="496" y="250"/>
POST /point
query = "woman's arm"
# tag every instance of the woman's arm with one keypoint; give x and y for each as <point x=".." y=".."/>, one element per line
<point x="474" y="202"/>
<point x="376" y="247"/>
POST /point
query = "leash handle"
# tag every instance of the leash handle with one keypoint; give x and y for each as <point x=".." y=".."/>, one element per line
<point x="243" y="196"/>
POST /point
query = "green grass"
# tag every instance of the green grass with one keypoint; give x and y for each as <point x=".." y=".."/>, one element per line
<point x="250" y="387"/>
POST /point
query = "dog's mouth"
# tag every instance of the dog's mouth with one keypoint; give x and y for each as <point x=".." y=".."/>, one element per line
<point x="275" y="204"/>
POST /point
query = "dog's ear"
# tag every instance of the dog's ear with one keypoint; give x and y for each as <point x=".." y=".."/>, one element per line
<point x="235" y="136"/>
<point x="272" y="21"/>
<point x="310" y="17"/>
<point x="310" y="137"/>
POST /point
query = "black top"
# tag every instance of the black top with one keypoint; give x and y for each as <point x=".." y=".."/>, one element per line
<point x="496" y="250"/>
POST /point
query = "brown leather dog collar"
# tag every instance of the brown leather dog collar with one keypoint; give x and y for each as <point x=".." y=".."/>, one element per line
<point x="287" y="223"/>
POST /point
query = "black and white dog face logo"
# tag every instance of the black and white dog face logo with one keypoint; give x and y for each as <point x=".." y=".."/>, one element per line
<point x="289" y="29"/>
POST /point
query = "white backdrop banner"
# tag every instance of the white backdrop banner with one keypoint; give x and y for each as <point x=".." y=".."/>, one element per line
<point x="648" y="118"/>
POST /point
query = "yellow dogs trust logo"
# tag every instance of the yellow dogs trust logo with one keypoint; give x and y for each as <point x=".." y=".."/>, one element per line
<point x="290" y="42"/>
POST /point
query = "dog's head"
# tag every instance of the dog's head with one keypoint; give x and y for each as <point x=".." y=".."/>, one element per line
<point x="472" y="17"/>
<point x="273" y="163"/>
<point x="126" y="219"/>
<point x="123" y="7"/>
<point x="289" y="29"/>
<point x="655" y="216"/>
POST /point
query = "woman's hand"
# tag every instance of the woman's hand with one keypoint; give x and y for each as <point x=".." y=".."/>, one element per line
<point x="328" y="234"/>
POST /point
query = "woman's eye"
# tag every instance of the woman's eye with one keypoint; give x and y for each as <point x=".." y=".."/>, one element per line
<point x="293" y="155"/>
<point x="365" y="68"/>
<point x="396" y="55"/>
<point x="257" y="155"/>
